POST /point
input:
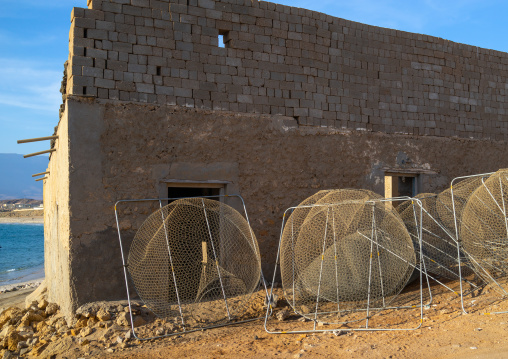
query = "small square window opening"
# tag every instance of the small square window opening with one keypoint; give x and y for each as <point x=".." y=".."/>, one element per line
<point x="224" y="39"/>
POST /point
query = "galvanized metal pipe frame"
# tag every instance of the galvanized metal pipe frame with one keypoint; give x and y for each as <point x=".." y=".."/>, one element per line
<point x="439" y="250"/>
<point x="455" y="219"/>
<point x="124" y="264"/>
<point x="368" y="309"/>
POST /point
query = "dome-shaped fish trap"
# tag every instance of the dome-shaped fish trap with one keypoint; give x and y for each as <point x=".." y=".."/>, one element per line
<point x="450" y="204"/>
<point x="344" y="250"/>
<point x="484" y="227"/>
<point x="438" y="241"/>
<point x="197" y="260"/>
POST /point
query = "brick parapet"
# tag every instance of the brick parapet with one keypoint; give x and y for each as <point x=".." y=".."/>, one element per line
<point x="321" y="70"/>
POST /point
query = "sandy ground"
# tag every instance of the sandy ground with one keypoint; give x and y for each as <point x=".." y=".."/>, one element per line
<point x="444" y="333"/>
<point x="13" y="295"/>
<point x="15" y="298"/>
<point x="35" y="219"/>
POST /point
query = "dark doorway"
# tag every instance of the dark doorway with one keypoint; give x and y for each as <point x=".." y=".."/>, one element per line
<point x="401" y="185"/>
<point x="407" y="186"/>
<point x="183" y="192"/>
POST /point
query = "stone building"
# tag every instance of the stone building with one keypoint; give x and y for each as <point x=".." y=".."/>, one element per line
<point x="171" y="97"/>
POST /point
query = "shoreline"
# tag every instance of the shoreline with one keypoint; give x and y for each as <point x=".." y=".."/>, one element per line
<point x="32" y="284"/>
<point x="27" y="278"/>
<point x="22" y="220"/>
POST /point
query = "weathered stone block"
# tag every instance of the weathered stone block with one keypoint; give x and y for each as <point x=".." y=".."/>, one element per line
<point x="145" y="88"/>
<point x="97" y="34"/>
<point x="84" y="23"/>
<point x="105" y="25"/>
<point x="111" y="7"/>
<point x="142" y="50"/>
<point x="92" y="71"/>
<point x="132" y="10"/>
<point x="81" y="81"/>
<point x="137" y="68"/>
<point x="104" y="83"/>
<point x="182" y="92"/>
<point x="77" y="12"/>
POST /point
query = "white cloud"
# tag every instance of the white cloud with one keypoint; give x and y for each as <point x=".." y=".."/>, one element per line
<point x="29" y="85"/>
<point x="9" y="38"/>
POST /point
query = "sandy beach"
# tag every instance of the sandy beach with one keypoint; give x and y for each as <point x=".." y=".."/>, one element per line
<point x="13" y="295"/>
<point x="37" y="219"/>
<point x="22" y="278"/>
<point x="14" y="290"/>
<point x="16" y="298"/>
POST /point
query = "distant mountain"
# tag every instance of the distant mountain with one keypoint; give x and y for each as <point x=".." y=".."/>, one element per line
<point x="16" y="179"/>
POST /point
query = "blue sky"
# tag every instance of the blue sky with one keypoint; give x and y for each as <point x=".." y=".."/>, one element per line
<point x="34" y="46"/>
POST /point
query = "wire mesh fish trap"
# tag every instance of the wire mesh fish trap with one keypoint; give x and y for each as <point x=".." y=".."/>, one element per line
<point x="341" y="260"/>
<point x="479" y="221"/>
<point x="438" y="241"/>
<point x="196" y="261"/>
<point x="450" y="203"/>
<point x="483" y="228"/>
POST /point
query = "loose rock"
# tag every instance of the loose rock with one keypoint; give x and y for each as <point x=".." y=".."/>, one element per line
<point x="51" y="309"/>
<point x="123" y="319"/>
<point x="282" y="314"/>
<point x="43" y="304"/>
<point x="12" y="341"/>
<point x="86" y="332"/>
<point x="103" y="315"/>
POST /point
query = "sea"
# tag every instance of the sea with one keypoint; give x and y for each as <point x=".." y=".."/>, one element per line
<point x="21" y="252"/>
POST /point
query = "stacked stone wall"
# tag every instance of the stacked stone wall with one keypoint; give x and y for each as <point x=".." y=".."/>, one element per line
<point x="280" y="60"/>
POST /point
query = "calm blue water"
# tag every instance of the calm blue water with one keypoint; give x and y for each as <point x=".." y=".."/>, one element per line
<point x="22" y="252"/>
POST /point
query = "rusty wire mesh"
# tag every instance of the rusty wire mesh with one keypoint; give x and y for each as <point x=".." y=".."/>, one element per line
<point x="196" y="260"/>
<point x="438" y="243"/>
<point x="447" y="209"/>
<point x="344" y="250"/>
<point x="484" y="226"/>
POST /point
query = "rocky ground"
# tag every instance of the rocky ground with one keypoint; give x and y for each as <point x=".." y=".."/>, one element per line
<point x="102" y="330"/>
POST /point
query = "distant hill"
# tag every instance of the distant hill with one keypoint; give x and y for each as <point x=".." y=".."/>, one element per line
<point x="27" y="201"/>
<point x="16" y="176"/>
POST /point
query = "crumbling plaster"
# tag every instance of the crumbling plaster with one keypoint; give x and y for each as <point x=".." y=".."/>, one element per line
<point x="272" y="165"/>
<point x="299" y="102"/>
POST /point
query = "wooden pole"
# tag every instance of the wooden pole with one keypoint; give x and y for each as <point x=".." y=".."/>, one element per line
<point x="39" y="153"/>
<point x="38" y="139"/>
<point x="40" y="174"/>
<point x="41" y="179"/>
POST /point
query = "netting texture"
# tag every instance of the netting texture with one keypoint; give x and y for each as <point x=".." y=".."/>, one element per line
<point x="197" y="256"/>
<point x="439" y="248"/>
<point x="445" y="205"/>
<point x="484" y="226"/>
<point x="344" y="254"/>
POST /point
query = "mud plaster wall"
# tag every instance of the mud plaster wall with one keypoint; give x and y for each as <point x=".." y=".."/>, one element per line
<point x="269" y="160"/>
<point x="57" y="221"/>
<point x="281" y="60"/>
<point x="297" y="102"/>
